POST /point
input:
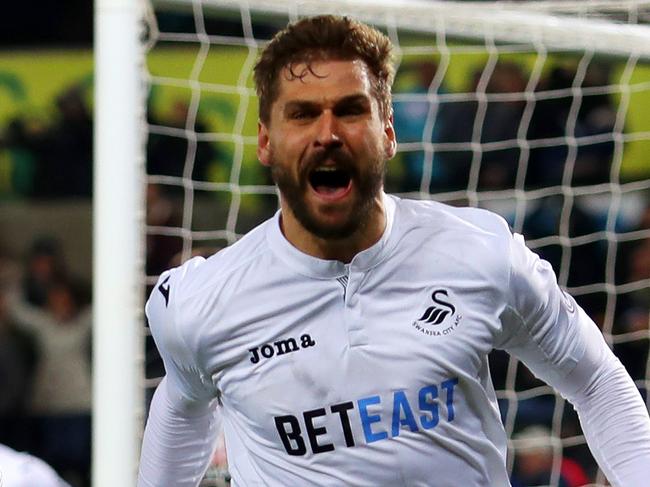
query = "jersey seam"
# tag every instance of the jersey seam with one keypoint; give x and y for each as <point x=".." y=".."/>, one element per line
<point x="187" y="349"/>
<point x="224" y="276"/>
<point x="531" y="339"/>
<point x="520" y="318"/>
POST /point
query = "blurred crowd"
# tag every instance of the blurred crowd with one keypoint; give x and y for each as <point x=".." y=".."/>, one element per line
<point x="499" y="123"/>
<point x="45" y="318"/>
<point x="45" y="357"/>
<point x="50" y="159"/>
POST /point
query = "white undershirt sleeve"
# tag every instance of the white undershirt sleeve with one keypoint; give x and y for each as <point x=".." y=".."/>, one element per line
<point x="554" y="337"/>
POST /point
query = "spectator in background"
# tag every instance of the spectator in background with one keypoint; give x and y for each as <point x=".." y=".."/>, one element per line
<point x="54" y="161"/>
<point x="61" y="396"/>
<point x="21" y="157"/>
<point x="64" y="150"/>
<point x="18" y="357"/>
<point x="549" y="121"/>
<point x="553" y="117"/>
<point x="44" y="266"/>
<point x="534" y="459"/>
<point x="597" y="115"/>
<point x="637" y="261"/>
<point x="67" y="167"/>
<point x="411" y="117"/>
<point x="587" y="261"/>
<point x="500" y="124"/>
<point x="162" y="211"/>
<point x="633" y="317"/>
<point x="167" y="153"/>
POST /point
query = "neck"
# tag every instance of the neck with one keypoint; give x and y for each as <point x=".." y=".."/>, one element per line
<point x="343" y="249"/>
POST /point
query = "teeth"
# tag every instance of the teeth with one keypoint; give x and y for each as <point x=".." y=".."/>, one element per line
<point x="326" y="169"/>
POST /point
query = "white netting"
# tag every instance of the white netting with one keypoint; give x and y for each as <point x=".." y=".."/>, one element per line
<point x="536" y="110"/>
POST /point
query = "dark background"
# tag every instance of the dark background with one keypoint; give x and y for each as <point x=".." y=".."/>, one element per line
<point x="33" y="24"/>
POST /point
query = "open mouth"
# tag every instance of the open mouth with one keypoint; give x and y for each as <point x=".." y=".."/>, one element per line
<point x="330" y="181"/>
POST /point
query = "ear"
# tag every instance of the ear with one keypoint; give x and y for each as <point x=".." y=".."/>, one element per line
<point x="390" y="140"/>
<point x="263" y="144"/>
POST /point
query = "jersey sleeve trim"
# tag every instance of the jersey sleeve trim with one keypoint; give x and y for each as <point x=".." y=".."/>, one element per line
<point x="169" y="334"/>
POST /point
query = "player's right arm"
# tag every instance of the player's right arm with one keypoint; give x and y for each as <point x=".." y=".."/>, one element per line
<point x="181" y="430"/>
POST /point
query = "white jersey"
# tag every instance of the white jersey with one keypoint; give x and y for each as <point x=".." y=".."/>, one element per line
<point x="372" y="373"/>
<point x="23" y="470"/>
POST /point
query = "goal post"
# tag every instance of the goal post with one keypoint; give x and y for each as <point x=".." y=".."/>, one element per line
<point x="475" y="83"/>
<point x="118" y="236"/>
<point x="521" y="22"/>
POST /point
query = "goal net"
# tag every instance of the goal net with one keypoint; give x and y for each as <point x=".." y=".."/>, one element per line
<point x="535" y="110"/>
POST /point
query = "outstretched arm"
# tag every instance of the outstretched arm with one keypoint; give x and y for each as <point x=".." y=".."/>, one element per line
<point x="555" y="338"/>
<point x="612" y="413"/>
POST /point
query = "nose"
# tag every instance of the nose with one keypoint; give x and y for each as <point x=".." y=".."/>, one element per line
<point x="328" y="130"/>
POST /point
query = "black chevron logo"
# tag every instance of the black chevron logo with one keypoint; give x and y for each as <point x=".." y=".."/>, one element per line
<point x="435" y="315"/>
<point x="164" y="290"/>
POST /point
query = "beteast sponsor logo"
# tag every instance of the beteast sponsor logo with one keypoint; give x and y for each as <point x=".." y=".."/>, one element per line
<point x="280" y="347"/>
<point x="373" y="418"/>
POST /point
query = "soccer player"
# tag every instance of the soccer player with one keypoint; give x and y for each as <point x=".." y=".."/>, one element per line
<point x="344" y="342"/>
<point x="19" y="469"/>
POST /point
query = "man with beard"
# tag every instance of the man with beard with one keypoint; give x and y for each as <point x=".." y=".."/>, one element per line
<point x="344" y="342"/>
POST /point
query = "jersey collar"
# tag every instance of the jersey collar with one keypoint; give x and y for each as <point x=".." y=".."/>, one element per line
<point x="326" y="269"/>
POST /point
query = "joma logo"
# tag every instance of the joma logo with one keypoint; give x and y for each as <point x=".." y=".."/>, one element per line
<point x="280" y="347"/>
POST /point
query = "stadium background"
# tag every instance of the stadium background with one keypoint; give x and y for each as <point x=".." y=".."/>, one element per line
<point x="47" y="52"/>
<point x="32" y="77"/>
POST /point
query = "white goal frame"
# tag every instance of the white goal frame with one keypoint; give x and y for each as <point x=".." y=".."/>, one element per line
<point x="118" y="236"/>
<point x="118" y="284"/>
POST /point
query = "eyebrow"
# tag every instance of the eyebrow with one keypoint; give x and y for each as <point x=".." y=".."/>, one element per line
<point x="312" y="105"/>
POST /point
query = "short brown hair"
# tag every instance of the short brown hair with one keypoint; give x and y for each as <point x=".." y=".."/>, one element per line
<point x="319" y="38"/>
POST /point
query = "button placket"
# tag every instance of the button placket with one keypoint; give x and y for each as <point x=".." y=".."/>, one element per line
<point x="353" y="310"/>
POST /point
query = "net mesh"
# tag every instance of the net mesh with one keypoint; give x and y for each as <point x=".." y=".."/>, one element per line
<point x="553" y="136"/>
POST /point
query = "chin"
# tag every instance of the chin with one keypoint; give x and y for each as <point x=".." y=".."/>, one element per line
<point x="330" y="228"/>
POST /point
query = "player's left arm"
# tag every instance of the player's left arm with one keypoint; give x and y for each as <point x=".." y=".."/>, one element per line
<point x="554" y="337"/>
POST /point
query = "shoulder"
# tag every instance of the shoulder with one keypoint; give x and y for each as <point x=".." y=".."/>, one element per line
<point x="185" y="297"/>
<point x="21" y="469"/>
<point x="471" y="241"/>
<point x="199" y="275"/>
<point x="441" y="217"/>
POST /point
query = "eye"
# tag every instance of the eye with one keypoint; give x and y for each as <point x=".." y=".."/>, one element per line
<point x="302" y="114"/>
<point x="350" y="110"/>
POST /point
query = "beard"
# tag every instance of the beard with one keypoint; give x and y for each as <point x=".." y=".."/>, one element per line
<point x="368" y="182"/>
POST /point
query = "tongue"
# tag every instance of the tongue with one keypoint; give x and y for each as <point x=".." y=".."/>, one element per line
<point x="330" y="190"/>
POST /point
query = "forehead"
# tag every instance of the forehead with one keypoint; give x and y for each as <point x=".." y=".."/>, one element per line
<point x="323" y="80"/>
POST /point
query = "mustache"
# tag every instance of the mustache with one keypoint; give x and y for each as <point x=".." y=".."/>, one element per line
<point x="341" y="159"/>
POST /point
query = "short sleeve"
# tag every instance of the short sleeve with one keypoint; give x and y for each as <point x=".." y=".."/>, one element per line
<point x="165" y="315"/>
<point x="541" y="324"/>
